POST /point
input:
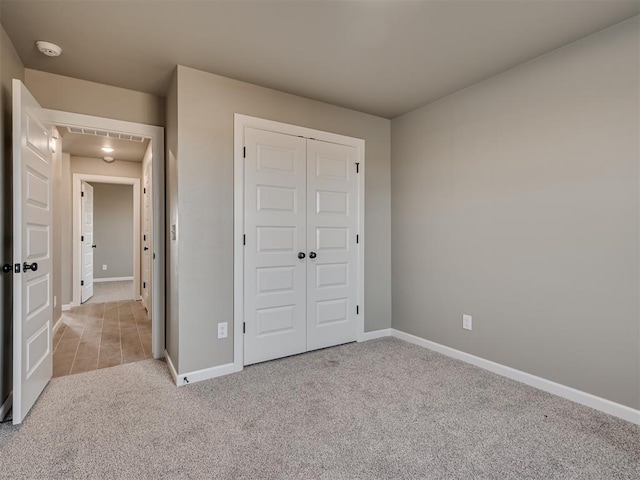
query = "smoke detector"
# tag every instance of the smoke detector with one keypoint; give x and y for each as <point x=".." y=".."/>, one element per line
<point x="49" y="49"/>
<point x="108" y="159"/>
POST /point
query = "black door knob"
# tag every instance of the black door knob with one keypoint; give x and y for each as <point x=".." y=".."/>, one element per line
<point x="312" y="254"/>
<point x="301" y="255"/>
<point x="7" y="267"/>
<point x="93" y="246"/>
<point x="146" y="248"/>
<point x="26" y="266"/>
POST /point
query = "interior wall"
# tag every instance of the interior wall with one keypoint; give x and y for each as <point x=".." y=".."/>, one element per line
<point x="516" y="201"/>
<point x="171" y="209"/>
<point x="66" y="214"/>
<point x="58" y="92"/>
<point x="112" y="230"/>
<point x="10" y="67"/>
<point x="56" y="229"/>
<point x="91" y="166"/>
<point x="206" y="105"/>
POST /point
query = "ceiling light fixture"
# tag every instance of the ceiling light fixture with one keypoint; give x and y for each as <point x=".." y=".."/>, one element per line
<point x="108" y="159"/>
<point x="107" y="149"/>
<point x="49" y="49"/>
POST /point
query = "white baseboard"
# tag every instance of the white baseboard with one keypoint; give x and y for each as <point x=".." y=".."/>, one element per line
<point x="205" y="374"/>
<point x="366" y="336"/>
<point x="172" y="369"/>
<point x="112" y="279"/>
<point x="607" y="406"/>
<point x="198" y="375"/>
<point x="6" y="406"/>
<point x="57" y="324"/>
<point x="68" y="306"/>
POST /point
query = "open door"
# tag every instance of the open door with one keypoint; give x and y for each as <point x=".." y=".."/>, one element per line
<point x="32" y="218"/>
<point x="86" y="240"/>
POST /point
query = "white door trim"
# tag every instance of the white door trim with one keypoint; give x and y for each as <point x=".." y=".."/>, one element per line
<point x="156" y="134"/>
<point x="76" y="273"/>
<point x="240" y="123"/>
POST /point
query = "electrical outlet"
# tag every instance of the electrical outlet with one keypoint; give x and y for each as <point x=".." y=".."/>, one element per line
<point x="222" y="330"/>
<point x="104" y="267"/>
<point x="467" y="322"/>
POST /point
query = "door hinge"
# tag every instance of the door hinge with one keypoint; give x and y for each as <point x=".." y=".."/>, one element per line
<point x="357" y="238"/>
<point x="244" y="152"/>
<point x="244" y="239"/>
<point x="82" y="238"/>
<point x="357" y="167"/>
<point x="357" y="309"/>
<point x="82" y="283"/>
<point x="16" y="268"/>
<point x="244" y="327"/>
<point x="144" y="284"/>
<point x="144" y="190"/>
<point x="144" y="237"/>
<point x="82" y="194"/>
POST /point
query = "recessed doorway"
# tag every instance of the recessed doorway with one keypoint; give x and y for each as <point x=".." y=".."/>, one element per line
<point x="105" y="322"/>
<point x="153" y="244"/>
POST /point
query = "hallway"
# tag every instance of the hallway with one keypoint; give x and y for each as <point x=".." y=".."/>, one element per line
<point x="101" y="335"/>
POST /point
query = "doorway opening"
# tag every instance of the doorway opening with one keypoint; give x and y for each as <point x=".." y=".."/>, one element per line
<point x="106" y="238"/>
<point x="107" y="221"/>
<point x="105" y="265"/>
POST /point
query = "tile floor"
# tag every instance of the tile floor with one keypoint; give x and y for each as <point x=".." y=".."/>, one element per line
<point x="101" y="335"/>
<point x="111" y="291"/>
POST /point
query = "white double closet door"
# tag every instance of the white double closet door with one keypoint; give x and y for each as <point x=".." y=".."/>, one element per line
<point x="300" y="253"/>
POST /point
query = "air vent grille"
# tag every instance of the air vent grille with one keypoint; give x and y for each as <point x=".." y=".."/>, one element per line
<point x="102" y="133"/>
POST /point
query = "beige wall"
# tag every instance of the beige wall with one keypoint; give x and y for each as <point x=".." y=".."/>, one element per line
<point x="56" y="228"/>
<point x="68" y="94"/>
<point x="10" y="67"/>
<point x="516" y="201"/>
<point x="206" y="104"/>
<point x="171" y="199"/>
<point x="112" y="230"/>
<point x="66" y="251"/>
<point x="91" y="166"/>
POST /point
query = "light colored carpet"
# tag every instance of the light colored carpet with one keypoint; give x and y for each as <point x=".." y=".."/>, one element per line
<point x="111" y="292"/>
<point x="378" y="410"/>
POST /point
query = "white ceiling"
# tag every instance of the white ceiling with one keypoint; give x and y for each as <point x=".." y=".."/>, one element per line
<point x="380" y="57"/>
<point x="82" y="145"/>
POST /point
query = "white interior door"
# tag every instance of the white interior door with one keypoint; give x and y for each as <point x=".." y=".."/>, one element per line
<point x="275" y="236"/>
<point x="32" y="223"/>
<point x="332" y="229"/>
<point x="146" y="239"/>
<point x="86" y="241"/>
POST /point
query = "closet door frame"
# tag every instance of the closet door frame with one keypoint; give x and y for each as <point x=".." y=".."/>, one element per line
<point x="240" y="123"/>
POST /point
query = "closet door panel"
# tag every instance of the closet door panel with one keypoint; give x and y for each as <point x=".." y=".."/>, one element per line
<point x="332" y="222"/>
<point x="275" y="230"/>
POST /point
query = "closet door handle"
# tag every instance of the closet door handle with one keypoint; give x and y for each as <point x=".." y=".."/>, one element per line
<point x="312" y="255"/>
<point x="301" y="255"/>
